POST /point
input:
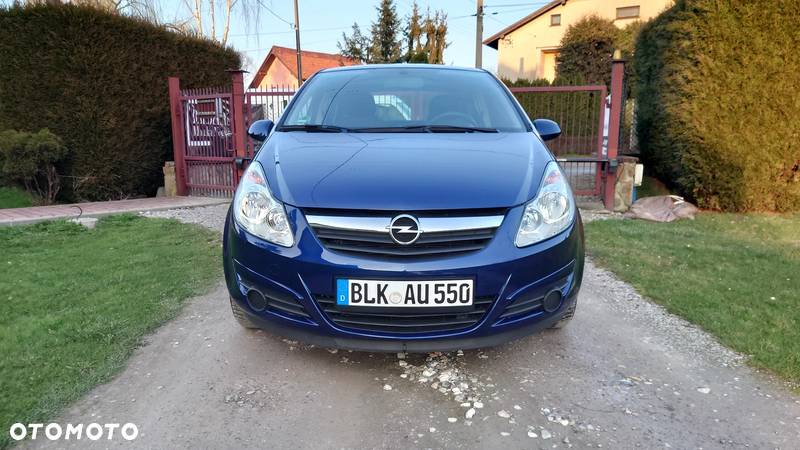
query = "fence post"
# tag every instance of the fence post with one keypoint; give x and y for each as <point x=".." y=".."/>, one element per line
<point x="178" y="135"/>
<point x="617" y="88"/>
<point x="239" y="130"/>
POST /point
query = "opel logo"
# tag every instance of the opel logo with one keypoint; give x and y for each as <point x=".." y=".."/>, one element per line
<point x="404" y="229"/>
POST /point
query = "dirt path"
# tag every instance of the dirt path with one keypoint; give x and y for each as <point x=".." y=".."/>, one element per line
<point x="623" y="374"/>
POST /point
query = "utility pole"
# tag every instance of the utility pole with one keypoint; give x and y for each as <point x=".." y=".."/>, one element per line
<point x="479" y="35"/>
<point x="297" y="43"/>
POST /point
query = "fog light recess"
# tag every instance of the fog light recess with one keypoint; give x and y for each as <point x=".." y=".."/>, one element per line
<point x="552" y="301"/>
<point x="256" y="300"/>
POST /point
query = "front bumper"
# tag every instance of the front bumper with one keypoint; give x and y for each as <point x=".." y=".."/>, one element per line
<point x="299" y="277"/>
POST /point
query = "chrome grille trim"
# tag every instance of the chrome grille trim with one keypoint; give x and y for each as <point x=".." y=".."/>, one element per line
<point x="370" y="235"/>
<point x="380" y="224"/>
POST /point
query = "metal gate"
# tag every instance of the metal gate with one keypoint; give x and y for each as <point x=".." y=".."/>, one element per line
<point x="580" y="111"/>
<point x="590" y="122"/>
<point x="209" y="133"/>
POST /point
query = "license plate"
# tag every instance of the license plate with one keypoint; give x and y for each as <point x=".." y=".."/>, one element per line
<point x="409" y="294"/>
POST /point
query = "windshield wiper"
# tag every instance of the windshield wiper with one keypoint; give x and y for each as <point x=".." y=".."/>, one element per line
<point x="458" y="129"/>
<point x="424" y="129"/>
<point x="313" y="128"/>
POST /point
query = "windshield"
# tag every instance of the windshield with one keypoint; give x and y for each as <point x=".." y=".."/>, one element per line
<point x="410" y="99"/>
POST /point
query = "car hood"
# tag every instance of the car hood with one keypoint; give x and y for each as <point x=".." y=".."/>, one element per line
<point x="403" y="171"/>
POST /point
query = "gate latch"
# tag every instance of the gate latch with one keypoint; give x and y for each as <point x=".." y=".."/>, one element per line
<point x="612" y="165"/>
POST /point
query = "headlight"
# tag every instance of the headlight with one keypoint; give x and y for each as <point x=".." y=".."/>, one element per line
<point x="551" y="212"/>
<point x="257" y="211"/>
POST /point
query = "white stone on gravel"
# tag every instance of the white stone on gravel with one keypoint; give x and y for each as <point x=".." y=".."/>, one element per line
<point x="504" y="414"/>
<point x="87" y="222"/>
<point x="704" y="390"/>
<point x="452" y="419"/>
<point x="387" y="387"/>
<point x="470" y="413"/>
<point x="546" y="434"/>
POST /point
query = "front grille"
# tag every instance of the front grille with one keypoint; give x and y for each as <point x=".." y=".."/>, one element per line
<point x="405" y="320"/>
<point x="373" y="243"/>
<point x="368" y="235"/>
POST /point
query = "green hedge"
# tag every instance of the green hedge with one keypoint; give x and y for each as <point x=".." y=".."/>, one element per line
<point x="99" y="81"/>
<point x="719" y="102"/>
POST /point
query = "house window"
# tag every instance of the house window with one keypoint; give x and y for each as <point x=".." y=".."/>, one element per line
<point x="628" y="12"/>
<point x="555" y="20"/>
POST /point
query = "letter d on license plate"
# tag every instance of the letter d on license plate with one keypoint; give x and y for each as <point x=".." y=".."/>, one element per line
<point x="404" y="293"/>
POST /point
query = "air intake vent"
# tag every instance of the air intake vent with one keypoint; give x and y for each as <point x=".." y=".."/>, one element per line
<point x="403" y="320"/>
<point x="273" y="301"/>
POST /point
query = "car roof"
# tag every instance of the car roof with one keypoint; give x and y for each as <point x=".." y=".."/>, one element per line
<point x="401" y="66"/>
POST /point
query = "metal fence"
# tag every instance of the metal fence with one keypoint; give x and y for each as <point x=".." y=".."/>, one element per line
<point x="580" y="111"/>
<point x="262" y="104"/>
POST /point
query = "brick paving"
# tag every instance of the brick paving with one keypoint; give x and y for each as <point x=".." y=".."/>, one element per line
<point x="20" y="216"/>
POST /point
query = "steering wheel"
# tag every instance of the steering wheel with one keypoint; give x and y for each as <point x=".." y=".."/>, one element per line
<point x="466" y="119"/>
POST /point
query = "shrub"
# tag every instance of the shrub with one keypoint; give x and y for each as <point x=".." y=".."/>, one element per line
<point x="586" y="51"/>
<point x="99" y="81"/>
<point x="32" y="159"/>
<point x="524" y="82"/>
<point x="718" y="106"/>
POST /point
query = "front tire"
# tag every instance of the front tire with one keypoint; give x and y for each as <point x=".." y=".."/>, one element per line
<point x="566" y="318"/>
<point x="241" y="316"/>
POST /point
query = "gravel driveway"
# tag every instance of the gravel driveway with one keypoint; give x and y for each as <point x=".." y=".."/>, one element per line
<point x="623" y="374"/>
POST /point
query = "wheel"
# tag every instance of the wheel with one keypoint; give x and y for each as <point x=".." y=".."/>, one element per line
<point x="565" y="318"/>
<point x="241" y="316"/>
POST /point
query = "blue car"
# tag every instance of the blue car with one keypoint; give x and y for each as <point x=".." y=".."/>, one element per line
<point x="403" y="208"/>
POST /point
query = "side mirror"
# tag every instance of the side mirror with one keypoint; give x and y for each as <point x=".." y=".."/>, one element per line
<point x="260" y="129"/>
<point x="547" y="129"/>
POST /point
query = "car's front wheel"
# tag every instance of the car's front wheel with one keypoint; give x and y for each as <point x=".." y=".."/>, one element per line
<point x="566" y="318"/>
<point x="240" y="316"/>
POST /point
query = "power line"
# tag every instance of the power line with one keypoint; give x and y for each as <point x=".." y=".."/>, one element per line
<point x="310" y="30"/>
<point x="488" y="14"/>
<point x="269" y="10"/>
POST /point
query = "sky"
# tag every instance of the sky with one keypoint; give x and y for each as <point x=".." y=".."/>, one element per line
<point x="323" y="21"/>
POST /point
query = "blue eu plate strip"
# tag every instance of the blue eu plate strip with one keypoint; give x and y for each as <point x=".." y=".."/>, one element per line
<point x="342" y="292"/>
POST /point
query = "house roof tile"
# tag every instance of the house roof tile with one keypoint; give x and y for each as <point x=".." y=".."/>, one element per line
<point x="312" y="62"/>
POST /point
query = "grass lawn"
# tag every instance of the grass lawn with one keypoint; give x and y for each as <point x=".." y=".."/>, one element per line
<point x="74" y="303"/>
<point x="736" y="276"/>
<point x="11" y="197"/>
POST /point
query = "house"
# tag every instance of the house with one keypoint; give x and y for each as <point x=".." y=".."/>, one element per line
<point x="528" y="48"/>
<point x="279" y="68"/>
